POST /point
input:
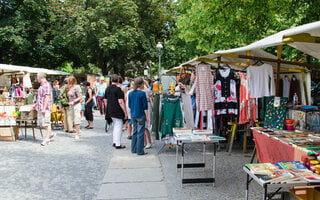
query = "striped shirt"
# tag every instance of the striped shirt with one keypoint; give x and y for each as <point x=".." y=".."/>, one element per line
<point x="204" y="88"/>
<point x="44" y="90"/>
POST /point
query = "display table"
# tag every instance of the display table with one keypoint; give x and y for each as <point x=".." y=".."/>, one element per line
<point x="28" y="115"/>
<point x="32" y="122"/>
<point x="188" y="138"/>
<point x="271" y="149"/>
<point x="8" y="129"/>
<point x="266" y="186"/>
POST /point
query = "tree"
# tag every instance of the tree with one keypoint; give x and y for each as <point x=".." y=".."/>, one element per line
<point x="216" y="24"/>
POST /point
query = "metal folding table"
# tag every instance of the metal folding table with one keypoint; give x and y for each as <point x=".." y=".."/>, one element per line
<point x="267" y="185"/>
<point x="182" y="143"/>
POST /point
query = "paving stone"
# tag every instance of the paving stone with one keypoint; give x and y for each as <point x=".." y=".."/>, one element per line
<point x="132" y="190"/>
<point x="133" y="175"/>
<point x="134" y="161"/>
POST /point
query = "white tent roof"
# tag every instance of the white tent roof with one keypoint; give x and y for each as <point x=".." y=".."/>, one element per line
<point x="255" y="53"/>
<point x="312" y="49"/>
<point x="17" y="69"/>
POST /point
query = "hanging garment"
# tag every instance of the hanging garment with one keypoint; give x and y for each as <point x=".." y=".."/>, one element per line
<point x="171" y="116"/>
<point x="281" y="87"/>
<point x="252" y="110"/>
<point x="210" y="120"/>
<point x="260" y="81"/>
<point x="295" y="88"/>
<point x="27" y="81"/>
<point x="204" y="88"/>
<point x="225" y="101"/>
<point x="286" y="87"/>
<point x="275" y="115"/>
<point x="187" y="110"/>
<point x="156" y="115"/>
<point x="244" y="100"/>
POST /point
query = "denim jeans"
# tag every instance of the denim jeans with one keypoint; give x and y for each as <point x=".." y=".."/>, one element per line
<point x="137" y="141"/>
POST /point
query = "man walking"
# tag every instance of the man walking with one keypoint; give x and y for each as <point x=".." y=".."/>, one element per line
<point x="44" y="106"/>
<point x="100" y="91"/>
<point x="116" y="109"/>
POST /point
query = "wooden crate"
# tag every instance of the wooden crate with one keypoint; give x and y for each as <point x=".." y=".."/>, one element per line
<point x="8" y="133"/>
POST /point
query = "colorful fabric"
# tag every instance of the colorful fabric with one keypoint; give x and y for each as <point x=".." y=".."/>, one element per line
<point x="171" y="116"/>
<point x="270" y="150"/>
<point x="225" y="88"/>
<point x="204" y="88"/>
<point x="44" y="90"/>
<point x="275" y="115"/>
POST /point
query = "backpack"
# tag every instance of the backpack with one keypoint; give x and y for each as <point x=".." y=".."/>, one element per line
<point x="64" y="97"/>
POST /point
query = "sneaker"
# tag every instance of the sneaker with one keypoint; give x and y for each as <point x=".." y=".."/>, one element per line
<point x="45" y="142"/>
<point x="77" y="137"/>
<point x="53" y="135"/>
<point x="148" y="146"/>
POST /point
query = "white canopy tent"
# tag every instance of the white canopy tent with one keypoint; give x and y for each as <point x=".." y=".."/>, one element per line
<point x="4" y="68"/>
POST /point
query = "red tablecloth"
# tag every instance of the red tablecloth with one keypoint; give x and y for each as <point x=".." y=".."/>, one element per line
<point x="270" y="150"/>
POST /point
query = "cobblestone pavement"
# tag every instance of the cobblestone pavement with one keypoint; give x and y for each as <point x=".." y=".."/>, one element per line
<point x="68" y="169"/>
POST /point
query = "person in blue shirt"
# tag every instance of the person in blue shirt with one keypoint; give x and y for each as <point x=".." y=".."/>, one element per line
<point x="139" y="115"/>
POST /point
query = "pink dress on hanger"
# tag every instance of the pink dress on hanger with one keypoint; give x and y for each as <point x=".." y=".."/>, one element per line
<point x="248" y="106"/>
<point x="243" y="97"/>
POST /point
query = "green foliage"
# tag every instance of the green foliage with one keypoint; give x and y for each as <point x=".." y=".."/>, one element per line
<point x="66" y="67"/>
<point x="120" y="36"/>
<point x="224" y="24"/>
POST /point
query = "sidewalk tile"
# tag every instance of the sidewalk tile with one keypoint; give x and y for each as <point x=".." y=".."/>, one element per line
<point x="132" y="191"/>
<point x="133" y="175"/>
<point x="134" y="161"/>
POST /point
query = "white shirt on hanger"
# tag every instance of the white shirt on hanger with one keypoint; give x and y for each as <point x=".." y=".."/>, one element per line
<point x="286" y="86"/>
<point x="258" y="81"/>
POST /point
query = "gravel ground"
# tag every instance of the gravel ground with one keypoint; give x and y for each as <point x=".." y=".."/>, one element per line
<point x="67" y="169"/>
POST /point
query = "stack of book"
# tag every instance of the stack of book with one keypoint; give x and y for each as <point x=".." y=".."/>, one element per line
<point x="283" y="172"/>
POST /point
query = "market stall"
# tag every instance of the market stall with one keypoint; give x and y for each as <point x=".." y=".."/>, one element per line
<point x="17" y="94"/>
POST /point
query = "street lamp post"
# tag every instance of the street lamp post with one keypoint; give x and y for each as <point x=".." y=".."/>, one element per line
<point x="159" y="47"/>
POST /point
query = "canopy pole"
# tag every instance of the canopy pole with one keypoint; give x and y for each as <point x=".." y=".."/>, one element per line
<point x="305" y="87"/>
<point x="279" y="51"/>
<point x="219" y="61"/>
<point x="248" y="53"/>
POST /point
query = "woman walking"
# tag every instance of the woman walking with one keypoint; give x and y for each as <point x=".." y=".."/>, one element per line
<point x="139" y="114"/>
<point x="88" y="105"/>
<point x="75" y="97"/>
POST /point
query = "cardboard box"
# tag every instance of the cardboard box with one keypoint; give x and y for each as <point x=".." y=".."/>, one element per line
<point x="31" y="115"/>
<point x="8" y="133"/>
<point x="26" y="113"/>
<point x="306" y="192"/>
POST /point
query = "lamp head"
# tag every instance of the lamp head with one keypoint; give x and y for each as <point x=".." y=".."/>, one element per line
<point x="159" y="46"/>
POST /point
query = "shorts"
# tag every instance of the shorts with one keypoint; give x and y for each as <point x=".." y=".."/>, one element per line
<point x="44" y="120"/>
<point x="75" y="115"/>
<point x="129" y="121"/>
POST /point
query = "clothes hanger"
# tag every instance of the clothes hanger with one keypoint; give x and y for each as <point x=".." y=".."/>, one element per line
<point x="258" y="63"/>
<point x="225" y="66"/>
